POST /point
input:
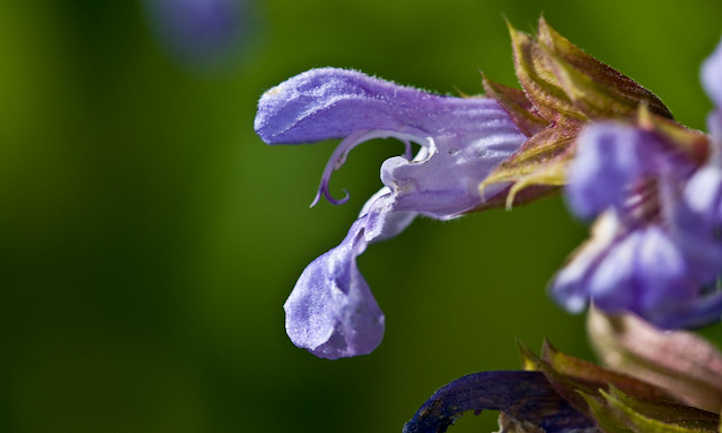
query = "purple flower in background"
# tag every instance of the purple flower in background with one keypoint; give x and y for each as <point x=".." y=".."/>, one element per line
<point x="657" y="249"/>
<point x="200" y="31"/>
<point x="331" y="311"/>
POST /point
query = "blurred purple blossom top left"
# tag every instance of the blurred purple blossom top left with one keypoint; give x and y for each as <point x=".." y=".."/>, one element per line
<point x="203" y="32"/>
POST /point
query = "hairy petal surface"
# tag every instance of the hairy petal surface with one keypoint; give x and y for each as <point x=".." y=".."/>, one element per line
<point x="334" y="103"/>
<point x="468" y="135"/>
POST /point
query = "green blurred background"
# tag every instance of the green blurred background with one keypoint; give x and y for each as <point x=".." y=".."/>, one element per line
<point x="148" y="238"/>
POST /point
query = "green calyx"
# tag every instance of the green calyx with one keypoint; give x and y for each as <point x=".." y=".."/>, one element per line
<point x="563" y="88"/>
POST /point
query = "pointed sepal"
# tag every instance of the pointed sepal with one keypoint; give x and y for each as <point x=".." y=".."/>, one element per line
<point x="598" y="89"/>
<point x="542" y="160"/>
<point x="538" y="79"/>
<point x="589" y="372"/>
<point x="566" y="88"/>
<point x="515" y="103"/>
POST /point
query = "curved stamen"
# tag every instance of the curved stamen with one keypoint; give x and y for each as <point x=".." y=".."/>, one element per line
<point x="339" y="155"/>
<point x="407" y="150"/>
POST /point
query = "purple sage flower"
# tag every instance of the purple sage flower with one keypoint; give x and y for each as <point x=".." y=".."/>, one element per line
<point x="331" y="311"/>
<point x="657" y="248"/>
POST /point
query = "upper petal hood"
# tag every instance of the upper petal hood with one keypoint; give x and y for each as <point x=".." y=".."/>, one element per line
<point x="462" y="139"/>
<point x="334" y="103"/>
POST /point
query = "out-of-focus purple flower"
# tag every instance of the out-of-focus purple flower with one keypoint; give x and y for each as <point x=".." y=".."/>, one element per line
<point x="200" y="31"/>
<point x="712" y="76"/>
<point x="642" y="272"/>
<point x="614" y="153"/>
<point x="660" y="253"/>
<point x="331" y="311"/>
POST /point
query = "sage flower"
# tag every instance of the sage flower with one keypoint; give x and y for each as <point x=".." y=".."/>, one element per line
<point x="657" y="250"/>
<point x="331" y="311"/>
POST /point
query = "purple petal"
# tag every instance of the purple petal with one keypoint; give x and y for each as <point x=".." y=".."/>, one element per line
<point x="703" y="193"/>
<point x="662" y="276"/>
<point x="692" y="314"/>
<point x="334" y="103"/>
<point x="523" y="395"/>
<point x="712" y="75"/>
<point x="468" y="135"/>
<point x="609" y="158"/>
<point x="385" y="220"/>
<point x="442" y="181"/>
<point x="569" y="288"/>
<point x="331" y="311"/>
<point x="612" y="285"/>
<point x="645" y="273"/>
<point x="714" y="125"/>
<point x="697" y="222"/>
